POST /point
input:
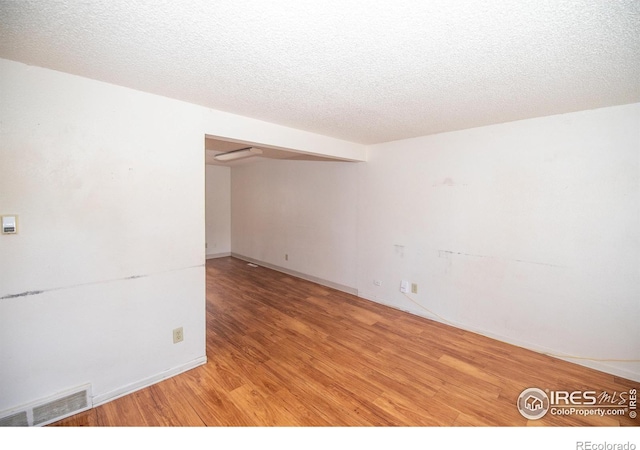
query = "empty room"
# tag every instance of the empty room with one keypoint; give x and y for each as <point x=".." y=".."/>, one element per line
<point x="320" y="214"/>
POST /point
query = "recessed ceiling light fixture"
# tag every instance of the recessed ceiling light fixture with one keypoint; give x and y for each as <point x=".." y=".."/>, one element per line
<point x="238" y="154"/>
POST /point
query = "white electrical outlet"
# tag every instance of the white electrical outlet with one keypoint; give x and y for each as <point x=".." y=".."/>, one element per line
<point x="377" y="282"/>
<point x="178" y="335"/>
<point x="404" y="286"/>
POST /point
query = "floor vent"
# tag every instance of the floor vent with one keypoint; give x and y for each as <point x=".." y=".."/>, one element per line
<point x="49" y="410"/>
<point x="15" y="420"/>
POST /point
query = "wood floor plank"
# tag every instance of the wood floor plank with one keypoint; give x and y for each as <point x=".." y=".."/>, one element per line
<point x="287" y="352"/>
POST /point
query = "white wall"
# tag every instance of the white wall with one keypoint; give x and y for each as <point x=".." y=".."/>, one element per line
<point x="108" y="185"/>
<point x="218" y="210"/>
<point x="303" y="209"/>
<point x="527" y="231"/>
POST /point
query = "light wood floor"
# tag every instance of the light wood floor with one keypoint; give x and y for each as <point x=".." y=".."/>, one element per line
<point x="286" y="352"/>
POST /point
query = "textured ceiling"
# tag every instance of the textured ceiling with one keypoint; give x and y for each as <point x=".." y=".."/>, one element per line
<point x="366" y="71"/>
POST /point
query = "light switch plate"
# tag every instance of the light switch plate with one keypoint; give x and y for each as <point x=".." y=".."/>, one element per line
<point x="9" y="224"/>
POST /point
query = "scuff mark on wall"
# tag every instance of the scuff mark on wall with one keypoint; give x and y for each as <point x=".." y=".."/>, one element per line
<point x="22" y="294"/>
<point x="448" y="182"/>
<point x="132" y="277"/>
<point x="443" y="253"/>
<point x="538" y="263"/>
<point x="448" y="253"/>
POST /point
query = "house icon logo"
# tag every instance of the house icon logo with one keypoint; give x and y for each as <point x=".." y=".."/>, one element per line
<point x="533" y="403"/>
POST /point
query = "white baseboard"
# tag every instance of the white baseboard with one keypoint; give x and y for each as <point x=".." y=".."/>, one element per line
<point x="218" y="255"/>
<point x="304" y="276"/>
<point x="596" y="365"/>
<point x="141" y="384"/>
